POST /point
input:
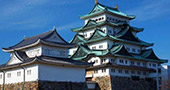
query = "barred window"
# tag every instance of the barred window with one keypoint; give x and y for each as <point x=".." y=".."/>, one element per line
<point x="28" y="72"/>
<point x="19" y="73"/>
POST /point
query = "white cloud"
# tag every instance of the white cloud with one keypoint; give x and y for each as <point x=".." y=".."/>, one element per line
<point x="69" y="26"/>
<point x="150" y="9"/>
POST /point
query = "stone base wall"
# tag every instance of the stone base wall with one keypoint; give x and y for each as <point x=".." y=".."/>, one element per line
<point x="21" y="86"/>
<point x="124" y="83"/>
<point x="103" y="82"/>
<point x="46" y="85"/>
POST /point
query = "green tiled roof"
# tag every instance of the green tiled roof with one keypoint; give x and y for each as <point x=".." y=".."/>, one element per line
<point x="93" y="24"/>
<point x="78" y="39"/>
<point x="124" y="36"/>
<point x="118" y="51"/>
<point x="99" y="8"/>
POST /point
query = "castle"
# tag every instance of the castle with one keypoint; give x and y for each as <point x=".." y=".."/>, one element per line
<point x="121" y="60"/>
<point x="105" y="52"/>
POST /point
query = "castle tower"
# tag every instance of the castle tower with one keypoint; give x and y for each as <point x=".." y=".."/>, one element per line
<point x="121" y="61"/>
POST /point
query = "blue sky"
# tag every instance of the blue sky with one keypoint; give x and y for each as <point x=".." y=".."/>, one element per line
<point x="25" y="18"/>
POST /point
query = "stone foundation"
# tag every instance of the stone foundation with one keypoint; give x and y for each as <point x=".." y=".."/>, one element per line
<point x="124" y="83"/>
<point x="46" y="85"/>
<point x="103" y="82"/>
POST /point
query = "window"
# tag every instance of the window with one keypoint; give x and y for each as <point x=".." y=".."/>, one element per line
<point x="128" y="49"/>
<point x="100" y="19"/>
<point x="126" y="61"/>
<point x="101" y="46"/>
<point x="94" y="47"/>
<point x="132" y="62"/>
<point x="47" y="51"/>
<point x="150" y="64"/>
<point x="112" y="60"/>
<point x="28" y="72"/>
<point x="120" y="70"/>
<point x="96" y="61"/>
<point x="18" y="73"/>
<point x="9" y="75"/>
<point x="121" y="61"/>
<point x="109" y="31"/>
<point x="144" y="73"/>
<point x="113" y="19"/>
<point x="74" y="51"/>
<point x="103" y="60"/>
<point x="104" y="30"/>
<point x="133" y="50"/>
<point x="95" y="71"/>
<point x="159" y="71"/>
<point x="133" y="72"/>
<point x="154" y="65"/>
<point x="127" y="71"/>
<point x="144" y="64"/>
<point x="139" y="50"/>
<point x="138" y="72"/>
<point x="103" y="70"/>
<point x="85" y="35"/>
<point x="113" y="70"/>
<point x="138" y="63"/>
<point x="0" y="76"/>
<point x="91" y="34"/>
<point x="62" y="53"/>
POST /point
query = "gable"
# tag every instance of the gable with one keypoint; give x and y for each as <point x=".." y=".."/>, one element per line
<point x="77" y="39"/>
<point x="97" y="34"/>
<point x="13" y="60"/>
<point x="96" y="9"/>
<point x="55" y="37"/>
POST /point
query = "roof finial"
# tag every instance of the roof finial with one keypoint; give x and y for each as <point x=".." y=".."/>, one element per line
<point x="54" y="28"/>
<point x="117" y="7"/>
<point x="24" y="37"/>
<point x="96" y="2"/>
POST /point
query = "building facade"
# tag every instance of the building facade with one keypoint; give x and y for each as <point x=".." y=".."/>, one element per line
<point x="42" y="59"/>
<point x="121" y="61"/>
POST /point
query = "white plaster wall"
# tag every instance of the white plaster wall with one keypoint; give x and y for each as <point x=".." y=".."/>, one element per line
<point x="56" y="73"/>
<point x="16" y="79"/>
<point x="34" y="51"/>
<point x="1" y="77"/>
<point x="88" y="33"/>
<point x="106" y="44"/>
<point x="13" y="59"/>
<point x="34" y="73"/>
<point x="115" y="17"/>
<point x="137" y="48"/>
<point x="123" y="74"/>
<point x="100" y="73"/>
<point x="72" y="51"/>
<point x="164" y="72"/>
<point x="54" y="51"/>
<point x="93" y="60"/>
<point x="126" y="64"/>
<point x="97" y="17"/>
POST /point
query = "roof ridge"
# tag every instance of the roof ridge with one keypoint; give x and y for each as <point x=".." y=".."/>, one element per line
<point x="48" y="32"/>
